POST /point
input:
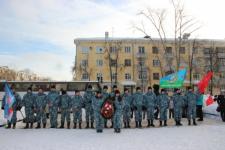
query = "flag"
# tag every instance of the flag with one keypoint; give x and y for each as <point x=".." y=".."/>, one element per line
<point x="9" y="100"/>
<point x="202" y="85"/>
<point x="208" y="100"/>
<point x="174" y="80"/>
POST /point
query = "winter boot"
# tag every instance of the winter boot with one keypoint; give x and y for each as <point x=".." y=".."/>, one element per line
<point x="31" y="125"/>
<point x="160" y="123"/>
<point x="189" y="122"/>
<point x="87" y="125"/>
<point x="140" y="126"/>
<point x="14" y="125"/>
<point x="27" y="126"/>
<point x="75" y="125"/>
<point x="44" y="125"/>
<point x="136" y="124"/>
<point x="68" y="125"/>
<point x="177" y="123"/>
<point x="62" y="125"/>
<point x="148" y="123"/>
<point x="118" y="130"/>
<point x="80" y="125"/>
<point x="105" y="124"/>
<point x="38" y="126"/>
<point x="194" y="122"/>
<point x="100" y="131"/>
<point x="165" y="123"/>
<point x="152" y="124"/>
<point x="111" y="125"/>
<point x="8" y="126"/>
<point x="128" y="124"/>
<point x="92" y="125"/>
<point x="125" y="125"/>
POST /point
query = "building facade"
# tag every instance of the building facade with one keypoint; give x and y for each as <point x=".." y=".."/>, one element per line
<point x="130" y="62"/>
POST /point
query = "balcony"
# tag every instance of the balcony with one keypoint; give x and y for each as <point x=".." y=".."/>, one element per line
<point x="141" y="55"/>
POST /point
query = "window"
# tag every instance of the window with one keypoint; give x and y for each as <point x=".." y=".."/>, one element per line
<point x="168" y="50"/>
<point x="114" y="76"/>
<point x="195" y="50"/>
<point x="99" y="77"/>
<point x="141" y="63"/>
<point x="142" y="75"/>
<point x="84" y="50"/>
<point x="84" y="63"/>
<point x="141" y="50"/>
<point x="127" y="62"/>
<point x="127" y="76"/>
<point x="156" y="63"/>
<point x="155" y="76"/>
<point x="112" y="49"/>
<point x="113" y="62"/>
<point x="182" y="50"/>
<point x="196" y="76"/>
<point x="99" y="49"/>
<point x="207" y="50"/>
<point x="155" y="50"/>
<point x="85" y="76"/>
<point x="222" y="87"/>
<point x="222" y="75"/>
<point x="99" y="62"/>
<point x="127" y="49"/>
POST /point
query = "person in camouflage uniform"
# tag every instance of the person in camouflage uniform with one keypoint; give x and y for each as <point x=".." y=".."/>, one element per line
<point x="97" y="105"/>
<point x="16" y="107"/>
<point x="190" y="100"/>
<point x="65" y="107"/>
<point x="77" y="104"/>
<point x="40" y="106"/>
<point x="118" y="103"/>
<point x="163" y="103"/>
<point x="88" y="96"/>
<point x="29" y="103"/>
<point x="112" y="98"/>
<point x="178" y="101"/>
<point x="150" y="103"/>
<point x="127" y="99"/>
<point x="53" y="102"/>
<point x="138" y="100"/>
<point x="105" y="96"/>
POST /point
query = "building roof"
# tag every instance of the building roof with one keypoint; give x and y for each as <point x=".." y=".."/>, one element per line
<point x="136" y="39"/>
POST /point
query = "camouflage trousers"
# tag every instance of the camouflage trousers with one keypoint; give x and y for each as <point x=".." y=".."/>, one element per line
<point x="65" y="114"/>
<point x="29" y="115"/>
<point x="53" y="114"/>
<point x="99" y="121"/>
<point x="41" y="116"/>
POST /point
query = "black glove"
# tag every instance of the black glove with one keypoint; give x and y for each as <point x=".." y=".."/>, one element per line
<point x="135" y="108"/>
<point x="2" y="107"/>
<point x="32" y="107"/>
<point x="18" y="108"/>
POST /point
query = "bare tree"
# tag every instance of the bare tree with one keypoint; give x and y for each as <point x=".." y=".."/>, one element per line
<point x="183" y="26"/>
<point x="112" y="50"/>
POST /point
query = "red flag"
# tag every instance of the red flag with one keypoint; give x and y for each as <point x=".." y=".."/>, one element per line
<point x="202" y="85"/>
<point x="209" y="100"/>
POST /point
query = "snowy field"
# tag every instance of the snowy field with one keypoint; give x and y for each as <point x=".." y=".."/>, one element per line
<point x="208" y="135"/>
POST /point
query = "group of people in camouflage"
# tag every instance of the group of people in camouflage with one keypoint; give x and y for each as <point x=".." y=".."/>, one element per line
<point x="124" y="104"/>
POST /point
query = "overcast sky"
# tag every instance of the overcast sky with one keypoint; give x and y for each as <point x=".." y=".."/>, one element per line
<point x="39" y="34"/>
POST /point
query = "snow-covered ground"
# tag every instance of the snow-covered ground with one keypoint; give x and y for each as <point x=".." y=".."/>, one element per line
<point x="208" y="135"/>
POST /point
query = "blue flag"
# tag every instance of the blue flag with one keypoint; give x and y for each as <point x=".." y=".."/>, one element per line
<point x="9" y="100"/>
<point x="174" y="80"/>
